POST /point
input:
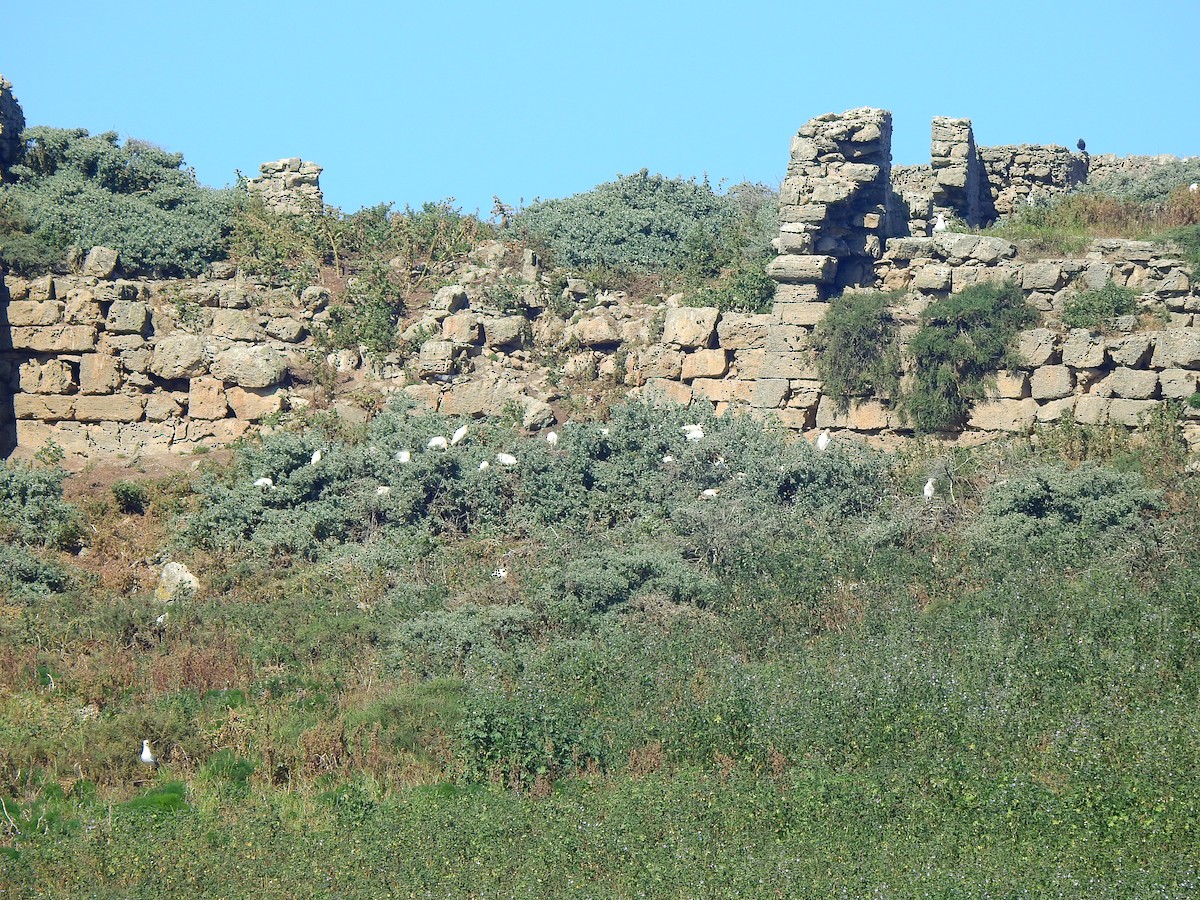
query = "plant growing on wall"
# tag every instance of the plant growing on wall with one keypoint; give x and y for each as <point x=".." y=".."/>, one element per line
<point x="1095" y="308"/>
<point x="858" y="352"/>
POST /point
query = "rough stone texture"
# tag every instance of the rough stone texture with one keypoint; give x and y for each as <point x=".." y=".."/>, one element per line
<point x="251" y="366"/>
<point x="12" y="123"/>
<point x="1177" y="348"/>
<point x="179" y="356"/>
<point x="657" y="361"/>
<point x="506" y="331"/>
<point x="1051" y="382"/>
<point x="289" y="186"/>
<point x="54" y="376"/>
<point x="437" y="358"/>
<point x="1178" y="384"/>
<point x="101" y="262"/>
<point x="867" y="415"/>
<point x="1133" y="384"/>
<point x="206" y="399"/>
<point x="806" y="314"/>
<point x="1130" y="350"/>
<point x="959" y="187"/>
<point x="253" y="403"/>
<point x="1029" y="173"/>
<point x="1010" y="386"/>
<point x="24" y="313"/>
<point x="803" y="269"/>
<point x="55" y="339"/>
<point x="99" y="373"/>
<point x="461" y="328"/>
<point x="1092" y="410"/>
<point x="111" y="408"/>
<point x="1083" y="349"/>
<point x="770" y="393"/>
<point x="1129" y="412"/>
<point x="1004" y="415"/>
<point x="704" y="364"/>
<point x="690" y="327"/>
<point x="127" y="317"/>
<point x="175" y="583"/>
<point x="596" y="331"/>
<point x="234" y="325"/>
<point x="1037" y="346"/>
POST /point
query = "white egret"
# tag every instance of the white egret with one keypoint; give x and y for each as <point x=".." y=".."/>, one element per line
<point x="552" y="439"/>
<point x="709" y="493"/>
<point x="382" y="491"/>
<point x="264" y="483"/>
<point x="823" y="441"/>
<point x="316" y="457"/>
<point x="693" y="432"/>
<point x="438" y="443"/>
<point x="668" y="458"/>
<point x="459" y="435"/>
<point x="929" y="489"/>
<point x="506" y="459"/>
<point x="500" y="574"/>
<point x="484" y="465"/>
<point x="403" y="456"/>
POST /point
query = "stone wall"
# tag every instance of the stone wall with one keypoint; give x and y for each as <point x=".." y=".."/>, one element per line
<point x="289" y="185"/>
<point x="12" y="123"/>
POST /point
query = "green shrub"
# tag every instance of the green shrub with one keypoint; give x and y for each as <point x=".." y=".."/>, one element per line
<point x="27" y="577"/>
<point x="964" y="339"/>
<point x="746" y="288"/>
<point x="1152" y="186"/>
<point x="1096" y="308"/>
<point x="32" y="510"/>
<point x="130" y="497"/>
<point x="367" y="316"/>
<point x="73" y="189"/>
<point x="858" y="351"/>
<point x="1186" y="241"/>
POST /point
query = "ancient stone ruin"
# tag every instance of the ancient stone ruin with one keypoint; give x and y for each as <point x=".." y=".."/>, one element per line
<point x="289" y="186"/>
<point x="12" y="123"/>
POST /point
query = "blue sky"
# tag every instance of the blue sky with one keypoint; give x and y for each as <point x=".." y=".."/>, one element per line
<point x="408" y="102"/>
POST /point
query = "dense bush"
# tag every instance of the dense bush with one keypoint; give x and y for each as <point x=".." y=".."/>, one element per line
<point x="964" y="339"/>
<point x="1153" y="186"/>
<point x="73" y="189"/>
<point x="858" y="352"/>
<point x="1097" y="308"/>
<point x="32" y="510"/>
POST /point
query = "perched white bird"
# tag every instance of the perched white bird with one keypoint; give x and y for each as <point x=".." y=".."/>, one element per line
<point x="484" y="465"/>
<point x="668" y="458"/>
<point x="1194" y="187"/>
<point x="552" y="439"/>
<point x="264" y="483"/>
<point x="459" y="435"/>
<point x="500" y="574"/>
<point x="403" y="456"/>
<point x="709" y="493"/>
<point x="939" y="224"/>
<point x="506" y="459"/>
<point x="823" y="441"/>
<point x="438" y="443"/>
<point x="929" y="489"/>
<point x="161" y="620"/>
<point x="693" y="432"/>
<point x="316" y="457"/>
<point x="382" y="491"/>
<point x="147" y="756"/>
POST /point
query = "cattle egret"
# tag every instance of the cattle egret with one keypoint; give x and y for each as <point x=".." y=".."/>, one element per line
<point x="147" y="756"/>
<point x="823" y="441"/>
<point x="404" y="456"/>
<point x="500" y="574"/>
<point x="929" y="489"/>
<point x="693" y="432"/>
<point x="709" y="493"/>
<point x="483" y="465"/>
<point x="316" y="457"/>
<point x="264" y="483"/>
<point x="668" y="458"/>
<point x="939" y="224"/>
<point x="438" y="443"/>
<point x="506" y="459"/>
<point x="382" y="491"/>
<point x="552" y="439"/>
<point x="458" y="435"/>
<point x="1194" y="187"/>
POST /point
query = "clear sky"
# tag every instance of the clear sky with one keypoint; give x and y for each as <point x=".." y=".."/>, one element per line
<point x="408" y="102"/>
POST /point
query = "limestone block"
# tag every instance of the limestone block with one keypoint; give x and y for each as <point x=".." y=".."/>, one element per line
<point x="215" y="432"/>
<point x="1051" y="382"/>
<point x="45" y="407"/>
<point x="990" y="250"/>
<point x="101" y="262"/>
<point x="109" y="408"/>
<point x="1129" y="412"/>
<point x="234" y="325"/>
<point x="1036" y="347"/>
<point x="42" y="288"/>
<point x="254" y="403"/>
<point x="164" y="405"/>
<point x="450" y="299"/>
<point x="1177" y="348"/>
<point x="537" y="414"/>
<point x="741" y="331"/>
<point x="1130" y="349"/>
<point x="1010" y="386"/>
<point x="23" y="313"/>
<point x="1092" y="410"/>
<point x="1004" y="415"/>
<point x="1053" y="410"/>
<point x="690" y="327"/>
<point x="799" y="243"/>
<point x="206" y="399"/>
<point x="54" y="339"/>
<point x="770" y="393"/>
<point x="784" y="365"/>
<point x="250" y="366"/>
<point x="596" y="331"/>
<point x="797" y="418"/>
<point x="674" y="391"/>
<point x="462" y="328"/>
<point x="285" y="329"/>
<point x="806" y="393"/>
<point x="797" y="293"/>
<point x="178" y="356"/>
<point x="657" y="361"/>
<point x="506" y="331"/>
<point x="804" y="213"/>
<point x="1083" y="349"/>
<point x="932" y="278"/>
<point x="793" y="269"/>
<point x="749" y="363"/>
<point x="127" y="317"/>
<point x="718" y="390"/>
<point x="787" y="339"/>
<point x="805" y="314"/>
<point x="54" y="376"/>
<point x="99" y="373"/>
<point x="82" y="309"/>
<point x="867" y="415"/>
<point x="137" y="360"/>
<point x="1042" y="276"/>
<point x="1178" y="384"/>
<point x="1133" y="384"/>
<point x="437" y="358"/>
<point x="704" y="364"/>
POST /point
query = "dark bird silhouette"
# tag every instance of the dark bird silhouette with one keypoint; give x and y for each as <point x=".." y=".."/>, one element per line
<point x="1081" y="145"/>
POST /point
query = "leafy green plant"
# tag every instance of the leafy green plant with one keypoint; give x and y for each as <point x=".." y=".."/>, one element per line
<point x="130" y="496"/>
<point x="32" y="510"/>
<point x="745" y="288"/>
<point x="964" y="339"/>
<point x="367" y="315"/>
<point x="858" y="352"/>
<point x="1098" y="307"/>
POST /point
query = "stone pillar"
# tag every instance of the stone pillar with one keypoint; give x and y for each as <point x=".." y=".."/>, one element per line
<point x="960" y="185"/>
<point x="12" y="124"/>
<point x="833" y="205"/>
<point x="289" y="185"/>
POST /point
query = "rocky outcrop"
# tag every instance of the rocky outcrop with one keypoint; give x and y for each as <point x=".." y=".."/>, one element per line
<point x="289" y="186"/>
<point x="12" y="124"/>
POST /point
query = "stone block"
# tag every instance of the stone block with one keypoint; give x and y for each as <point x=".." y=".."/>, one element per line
<point x="803" y="314"/>
<point x="1053" y="410"/>
<point x="285" y="329"/>
<point x="54" y="376"/>
<point x="1129" y="412"/>
<point x="797" y="293"/>
<point x="787" y="339"/>
<point x="1131" y="384"/>
<point x="164" y="405"/>
<point x="785" y="365"/>
<point x="795" y="242"/>
<point x="1036" y="347"/>
<point x="1051" y="382"/>
<point x="206" y="399"/>
<point x="932" y="278"/>
<point x="1004" y="415"/>
<point x="596" y="331"/>
<point x="794" y="269"/>
<point x="44" y="407"/>
<point x="1091" y="410"/>
<point x="1178" y="384"/>
<point x="657" y="361"/>
<point x="1130" y="349"/>
<point x="254" y="403"/>
<point x="742" y="331"/>
<point x="770" y="393"/>
<point x="805" y="393"/>
<point x="54" y="339"/>
<point x="25" y="313"/>
<point x="101" y="263"/>
<point x="42" y="288"/>
<point x="797" y="419"/>
<point x="690" y="327"/>
<point x="109" y="408"/>
<point x="1010" y="386"/>
<point x="82" y="309"/>
<point x="704" y="364"/>
<point x="127" y="317"/>
<point x="867" y="415"/>
<point x="99" y="373"/>
<point x="234" y="325"/>
<point x="1176" y="348"/>
<point x="663" y="389"/>
<point x="178" y="356"/>
<point x="1083" y="349"/>
<point x="506" y="331"/>
<point x="249" y="366"/>
<point x="462" y="328"/>
<point x="1042" y="276"/>
<point x="450" y="299"/>
<point x="718" y="390"/>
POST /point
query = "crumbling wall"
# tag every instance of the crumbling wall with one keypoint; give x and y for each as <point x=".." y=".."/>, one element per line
<point x="289" y="185"/>
<point x="1031" y="173"/>
<point x="12" y="124"/>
